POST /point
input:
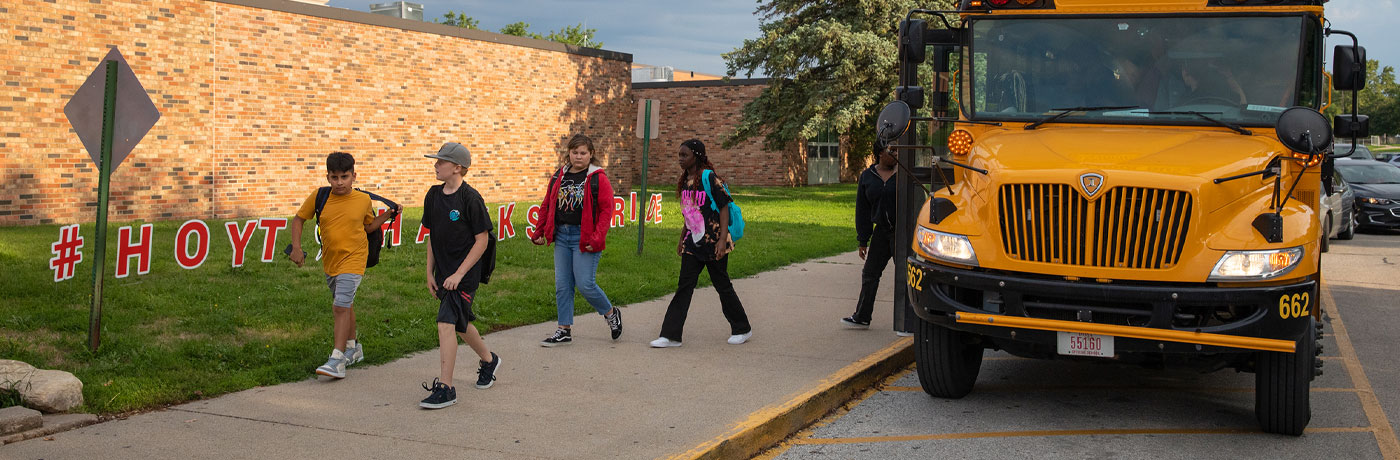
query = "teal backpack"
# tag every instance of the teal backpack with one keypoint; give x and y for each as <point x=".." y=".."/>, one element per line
<point x="736" y="217"/>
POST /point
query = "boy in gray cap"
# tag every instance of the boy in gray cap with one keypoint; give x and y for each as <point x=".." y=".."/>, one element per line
<point x="458" y="225"/>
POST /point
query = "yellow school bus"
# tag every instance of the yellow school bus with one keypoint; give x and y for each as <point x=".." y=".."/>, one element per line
<point x="1131" y="180"/>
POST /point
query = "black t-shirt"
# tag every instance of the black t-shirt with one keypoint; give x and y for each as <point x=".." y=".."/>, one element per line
<point x="453" y="222"/>
<point x="569" y="209"/>
<point x="696" y="205"/>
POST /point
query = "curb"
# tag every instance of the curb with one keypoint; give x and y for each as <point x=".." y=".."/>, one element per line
<point x="770" y="425"/>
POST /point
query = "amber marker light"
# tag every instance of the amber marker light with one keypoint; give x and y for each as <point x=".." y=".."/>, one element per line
<point x="1305" y="159"/>
<point x="960" y="142"/>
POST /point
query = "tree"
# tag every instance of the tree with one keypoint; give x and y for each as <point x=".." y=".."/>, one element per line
<point x="576" y="35"/>
<point x="453" y="18"/>
<point x="1380" y="100"/>
<point x="833" y="64"/>
<point x="520" y="29"/>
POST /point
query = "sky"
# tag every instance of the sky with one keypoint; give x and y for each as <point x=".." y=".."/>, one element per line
<point x="691" y="35"/>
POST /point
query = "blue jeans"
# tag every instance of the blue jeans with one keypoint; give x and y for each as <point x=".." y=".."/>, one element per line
<point x="575" y="268"/>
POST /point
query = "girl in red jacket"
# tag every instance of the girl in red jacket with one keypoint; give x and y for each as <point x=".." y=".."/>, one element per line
<point x="575" y="215"/>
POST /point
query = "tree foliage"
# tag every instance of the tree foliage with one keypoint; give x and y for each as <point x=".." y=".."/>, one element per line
<point x="833" y="64"/>
<point x="575" y="35"/>
<point x="520" y="29"/>
<point x="1380" y="100"/>
<point x="455" y="19"/>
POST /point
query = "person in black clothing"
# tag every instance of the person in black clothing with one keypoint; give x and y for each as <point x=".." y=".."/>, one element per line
<point x="705" y="244"/>
<point x="875" y="211"/>
<point x="455" y="215"/>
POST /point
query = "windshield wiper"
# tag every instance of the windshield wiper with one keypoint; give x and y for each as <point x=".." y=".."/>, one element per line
<point x="1203" y="116"/>
<point x="1068" y="110"/>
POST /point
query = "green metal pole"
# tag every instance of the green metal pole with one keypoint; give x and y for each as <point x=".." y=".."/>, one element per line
<point x="109" y="110"/>
<point x="646" y="146"/>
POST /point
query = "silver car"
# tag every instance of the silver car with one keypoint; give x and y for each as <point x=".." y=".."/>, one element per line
<point x="1338" y="211"/>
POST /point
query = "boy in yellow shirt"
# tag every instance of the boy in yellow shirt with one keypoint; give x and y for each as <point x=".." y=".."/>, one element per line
<point x="346" y="219"/>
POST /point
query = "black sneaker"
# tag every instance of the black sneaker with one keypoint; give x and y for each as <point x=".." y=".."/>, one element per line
<point x="561" y="336"/>
<point x="615" y="323"/>
<point x="442" y="396"/>
<point x="851" y="323"/>
<point x="486" y="374"/>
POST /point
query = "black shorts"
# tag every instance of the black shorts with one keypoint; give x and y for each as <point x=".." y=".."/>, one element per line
<point x="455" y="308"/>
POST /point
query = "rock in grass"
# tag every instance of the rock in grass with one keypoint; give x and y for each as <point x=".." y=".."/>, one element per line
<point x="50" y="391"/>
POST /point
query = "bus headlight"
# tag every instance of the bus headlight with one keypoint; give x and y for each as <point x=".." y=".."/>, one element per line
<point x="1256" y="265"/>
<point x="946" y="246"/>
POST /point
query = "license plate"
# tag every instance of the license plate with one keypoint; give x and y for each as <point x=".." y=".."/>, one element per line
<point x="1079" y="344"/>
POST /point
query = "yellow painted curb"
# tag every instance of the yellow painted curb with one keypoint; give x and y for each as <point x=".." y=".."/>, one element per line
<point x="772" y="424"/>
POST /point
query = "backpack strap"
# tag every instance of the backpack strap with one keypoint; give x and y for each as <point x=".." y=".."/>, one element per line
<point x="393" y="207"/>
<point x="322" y="194"/>
<point x="705" y="178"/>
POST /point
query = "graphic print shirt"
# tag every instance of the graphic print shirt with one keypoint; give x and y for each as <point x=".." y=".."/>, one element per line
<point x="569" y="210"/>
<point x="701" y="230"/>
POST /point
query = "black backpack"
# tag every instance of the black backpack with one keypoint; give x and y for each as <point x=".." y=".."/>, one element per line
<point x="376" y="237"/>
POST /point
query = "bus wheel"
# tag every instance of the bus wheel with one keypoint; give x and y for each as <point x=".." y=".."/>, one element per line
<point x="1281" y="384"/>
<point x="946" y="363"/>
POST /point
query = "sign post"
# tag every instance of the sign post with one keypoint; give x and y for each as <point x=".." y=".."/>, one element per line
<point x="648" y="114"/>
<point x="109" y="136"/>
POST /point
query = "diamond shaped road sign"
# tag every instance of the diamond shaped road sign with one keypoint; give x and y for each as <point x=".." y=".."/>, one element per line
<point x="135" y="113"/>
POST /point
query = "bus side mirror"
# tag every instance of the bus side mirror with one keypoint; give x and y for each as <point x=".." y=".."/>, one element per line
<point x="1353" y="126"/>
<point x="1348" y="68"/>
<point x="911" y="38"/>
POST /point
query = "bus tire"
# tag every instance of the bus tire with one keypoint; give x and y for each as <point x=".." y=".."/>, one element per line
<point x="1281" y="385"/>
<point x="947" y="364"/>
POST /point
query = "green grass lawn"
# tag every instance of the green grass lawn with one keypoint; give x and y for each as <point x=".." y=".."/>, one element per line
<point x="175" y="335"/>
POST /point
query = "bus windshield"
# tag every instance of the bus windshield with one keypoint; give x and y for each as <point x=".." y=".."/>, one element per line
<point x="1149" y="70"/>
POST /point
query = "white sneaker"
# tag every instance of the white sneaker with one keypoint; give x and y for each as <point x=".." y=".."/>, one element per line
<point x="354" y="352"/>
<point x="662" y="342"/>
<point x="741" y="338"/>
<point x="335" y="366"/>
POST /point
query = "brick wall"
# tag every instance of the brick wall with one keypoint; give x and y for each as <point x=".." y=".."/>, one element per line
<point x="254" y="93"/>
<point x="709" y="110"/>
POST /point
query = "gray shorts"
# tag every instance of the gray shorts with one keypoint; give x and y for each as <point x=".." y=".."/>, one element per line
<point x="343" y="287"/>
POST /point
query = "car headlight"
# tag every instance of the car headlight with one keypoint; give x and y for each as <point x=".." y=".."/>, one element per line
<point x="1381" y="201"/>
<point x="946" y="246"/>
<point x="1256" y="265"/>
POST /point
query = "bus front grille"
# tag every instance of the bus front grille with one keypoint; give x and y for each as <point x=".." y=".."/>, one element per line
<point x="1126" y="227"/>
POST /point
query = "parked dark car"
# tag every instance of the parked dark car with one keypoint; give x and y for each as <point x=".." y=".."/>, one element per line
<point x="1377" y="189"/>
<point x="1361" y="152"/>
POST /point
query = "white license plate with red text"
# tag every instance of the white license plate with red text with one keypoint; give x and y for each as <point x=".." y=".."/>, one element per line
<point x="1080" y="344"/>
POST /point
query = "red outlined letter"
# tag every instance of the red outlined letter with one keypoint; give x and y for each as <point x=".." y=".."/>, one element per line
<point x="272" y="225"/>
<point x="182" y="244"/>
<point x="619" y="214"/>
<point x="240" y="238"/>
<point x="654" y="208"/>
<point x="632" y="210"/>
<point x="422" y="233"/>
<point x="141" y="251"/>
<point x="67" y="253"/>
<point x="504" y="227"/>
<point x="532" y="218"/>
<point x="394" y="227"/>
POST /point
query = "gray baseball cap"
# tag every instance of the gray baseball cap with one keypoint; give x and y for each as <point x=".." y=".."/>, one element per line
<point x="454" y="152"/>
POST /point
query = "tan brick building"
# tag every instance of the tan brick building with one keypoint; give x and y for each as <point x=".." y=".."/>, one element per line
<point x="254" y="93"/>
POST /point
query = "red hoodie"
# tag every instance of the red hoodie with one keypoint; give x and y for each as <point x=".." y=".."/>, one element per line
<point x="597" y="217"/>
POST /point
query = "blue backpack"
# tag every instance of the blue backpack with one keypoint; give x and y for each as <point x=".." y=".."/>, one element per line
<point x="736" y="217"/>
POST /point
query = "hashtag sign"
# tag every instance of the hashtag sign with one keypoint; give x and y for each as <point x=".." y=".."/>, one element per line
<point x="67" y="253"/>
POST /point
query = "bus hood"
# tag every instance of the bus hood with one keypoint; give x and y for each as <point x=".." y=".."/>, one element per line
<point x="1171" y="152"/>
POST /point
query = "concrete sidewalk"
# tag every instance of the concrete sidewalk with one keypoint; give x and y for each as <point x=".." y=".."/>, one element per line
<point x="593" y="399"/>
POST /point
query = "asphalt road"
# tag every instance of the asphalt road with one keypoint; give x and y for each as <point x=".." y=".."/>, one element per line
<point x="1024" y="408"/>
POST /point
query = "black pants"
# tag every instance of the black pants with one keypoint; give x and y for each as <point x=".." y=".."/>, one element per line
<point x="879" y="255"/>
<point x="674" y="324"/>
